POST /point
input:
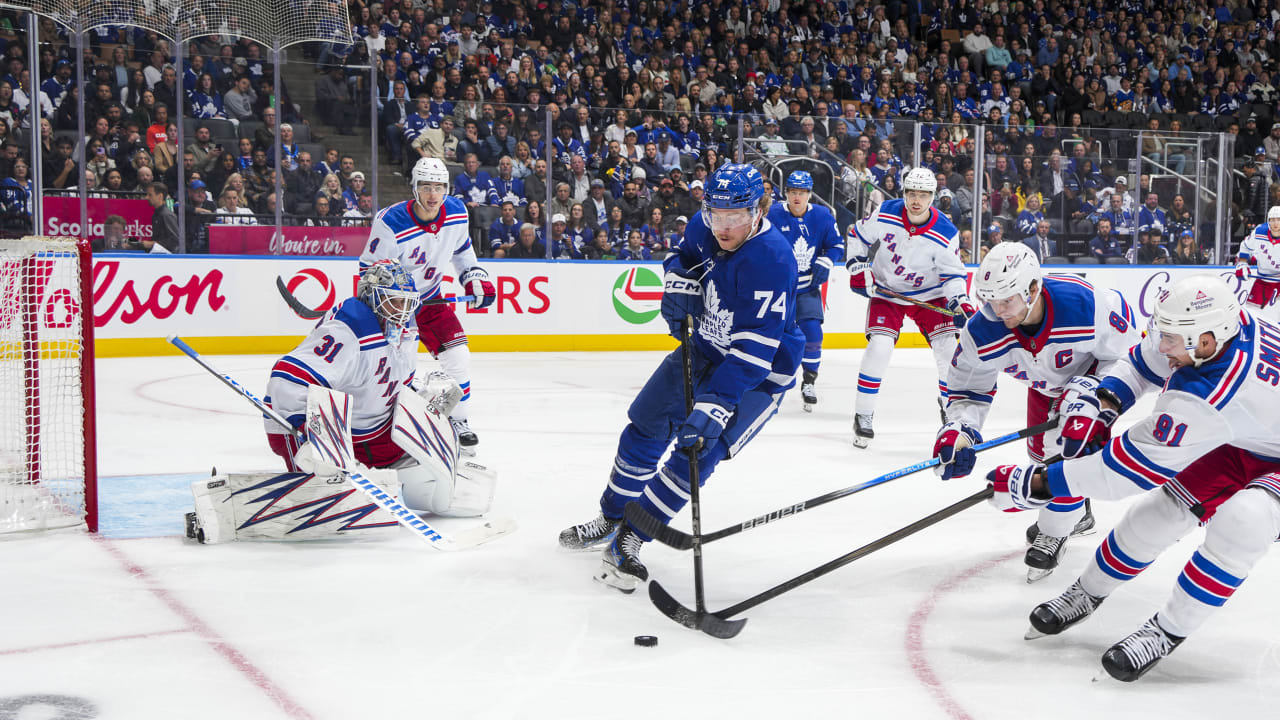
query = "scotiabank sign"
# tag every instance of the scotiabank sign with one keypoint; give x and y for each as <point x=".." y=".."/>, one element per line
<point x="62" y="216"/>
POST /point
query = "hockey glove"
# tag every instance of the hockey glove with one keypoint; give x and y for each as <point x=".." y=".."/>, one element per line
<point x="681" y="296"/>
<point x="954" y="450"/>
<point x="1242" y="271"/>
<point x="965" y="309"/>
<point x="309" y="460"/>
<point x="821" y="269"/>
<point x="1086" y="425"/>
<point x="476" y="282"/>
<point x="1012" y="487"/>
<point x="705" y="423"/>
<point x="861" y="281"/>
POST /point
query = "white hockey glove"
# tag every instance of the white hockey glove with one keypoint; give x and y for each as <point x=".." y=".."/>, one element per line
<point x="441" y="392"/>
<point x="475" y="281"/>
<point x="1012" y="487"/>
<point x="309" y="459"/>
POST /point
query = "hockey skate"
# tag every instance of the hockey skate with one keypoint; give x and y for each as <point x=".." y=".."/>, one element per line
<point x="1060" y="613"/>
<point x="862" y="432"/>
<point x="1133" y="656"/>
<point x="590" y="534"/>
<point x="620" y="565"/>
<point x="1084" y="526"/>
<point x="467" y="439"/>
<point x="807" y="391"/>
<point x="1043" y="556"/>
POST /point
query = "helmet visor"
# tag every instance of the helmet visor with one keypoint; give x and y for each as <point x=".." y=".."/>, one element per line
<point x="726" y="220"/>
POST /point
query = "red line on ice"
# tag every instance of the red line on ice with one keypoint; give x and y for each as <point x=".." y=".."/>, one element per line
<point x="77" y="643"/>
<point x="228" y="652"/>
<point x="916" y="655"/>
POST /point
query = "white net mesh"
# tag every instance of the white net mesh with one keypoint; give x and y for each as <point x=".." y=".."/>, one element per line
<point x="42" y="448"/>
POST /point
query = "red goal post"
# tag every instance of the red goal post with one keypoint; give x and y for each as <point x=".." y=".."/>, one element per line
<point x="48" y="458"/>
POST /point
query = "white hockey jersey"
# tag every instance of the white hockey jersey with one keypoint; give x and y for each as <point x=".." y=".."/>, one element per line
<point x="422" y="248"/>
<point x="1233" y="400"/>
<point x="921" y="261"/>
<point x="346" y="351"/>
<point x="1085" y="330"/>
<point x="1260" y="247"/>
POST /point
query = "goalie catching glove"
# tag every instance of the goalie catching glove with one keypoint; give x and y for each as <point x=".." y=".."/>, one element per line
<point x="1012" y="487"/>
<point x="476" y="282"/>
<point x="954" y="450"/>
<point x="1086" y="424"/>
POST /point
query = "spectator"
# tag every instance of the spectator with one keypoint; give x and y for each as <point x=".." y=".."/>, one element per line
<point x="1122" y="222"/>
<point x="1041" y="244"/>
<point x="301" y="185"/>
<point x="600" y="248"/>
<point x="158" y="131"/>
<point x="1150" y="216"/>
<point x="1151" y="251"/>
<point x="472" y="184"/>
<point x="436" y="141"/>
<point x="598" y="205"/>
<point x="499" y="144"/>
<point x="351" y="196"/>
<point x="562" y="247"/>
<point x="471" y="144"/>
<point x="668" y="157"/>
<point x="164" y="224"/>
<point x="635" y="248"/>
<point x="259" y="179"/>
<point x="505" y="231"/>
<point x="1030" y="217"/>
<point x="322" y="214"/>
<point x="230" y="212"/>
<point x="667" y="201"/>
<point x="331" y="188"/>
<point x="204" y="151"/>
<point x="113" y="237"/>
<point x="238" y="101"/>
<point x="529" y="247"/>
<point x="199" y="211"/>
<point x="576" y="230"/>
<point x="1252" y="195"/>
<point x="1187" y="251"/>
<point x="653" y="170"/>
<point x="334" y="103"/>
<point x="16" y="193"/>
<point x="505" y="187"/>
<point x="360" y="215"/>
<point x="59" y="170"/>
<point x="1104" y="244"/>
<point x="579" y="179"/>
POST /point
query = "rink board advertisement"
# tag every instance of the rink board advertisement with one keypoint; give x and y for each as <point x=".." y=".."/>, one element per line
<point x="229" y="304"/>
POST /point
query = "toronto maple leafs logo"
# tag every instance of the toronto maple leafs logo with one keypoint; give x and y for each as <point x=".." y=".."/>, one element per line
<point x="716" y="322"/>
<point x="804" y="254"/>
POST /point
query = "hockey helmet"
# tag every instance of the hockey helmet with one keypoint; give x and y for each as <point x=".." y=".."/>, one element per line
<point x="1196" y="305"/>
<point x="734" y="186"/>
<point x="429" y="170"/>
<point x="920" y="179"/>
<point x="388" y="289"/>
<point x="800" y="180"/>
<point x="1009" y="269"/>
<point x="1273" y="213"/>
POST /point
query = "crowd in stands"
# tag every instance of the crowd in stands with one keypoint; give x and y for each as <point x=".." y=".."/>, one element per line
<point x="608" y="114"/>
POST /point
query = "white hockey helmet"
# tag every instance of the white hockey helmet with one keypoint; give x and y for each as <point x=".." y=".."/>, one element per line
<point x="1009" y="269"/>
<point x="429" y="170"/>
<point x="1274" y="212"/>
<point x="1196" y="305"/>
<point x="920" y="179"/>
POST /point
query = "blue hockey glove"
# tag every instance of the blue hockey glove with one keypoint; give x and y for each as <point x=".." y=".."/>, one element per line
<point x="821" y="269"/>
<point x="965" y="309"/>
<point x="681" y="296"/>
<point x="954" y="450"/>
<point x="1012" y="487"/>
<point x="705" y="423"/>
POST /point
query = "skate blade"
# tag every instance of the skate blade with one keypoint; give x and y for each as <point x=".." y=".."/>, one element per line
<point x="609" y="576"/>
<point x="808" y="407"/>
<point x="861" y="442"/>
<point x="467" y="451"/>
<point x="1033" y="634"/>
<point x="575" y="546"/>
<point x="1035" y="575"/>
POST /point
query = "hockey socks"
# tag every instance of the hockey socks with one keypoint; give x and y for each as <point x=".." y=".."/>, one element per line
<point x="812" y="329"/>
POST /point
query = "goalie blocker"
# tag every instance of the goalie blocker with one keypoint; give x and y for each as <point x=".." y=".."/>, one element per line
<point x="319" y="502"/>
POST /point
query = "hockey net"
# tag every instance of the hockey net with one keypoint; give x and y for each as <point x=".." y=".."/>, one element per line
<point x="47" y="453"/>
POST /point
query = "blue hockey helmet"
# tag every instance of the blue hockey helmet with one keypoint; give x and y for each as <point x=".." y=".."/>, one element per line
<point x="799" y="180"/>
<point x="734" y="186"/>
<point x="388" y="289"/>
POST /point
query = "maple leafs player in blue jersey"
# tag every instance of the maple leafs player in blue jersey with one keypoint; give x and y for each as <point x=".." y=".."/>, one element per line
<point x="736" y="275"/>
<point x="816" y="242"/>
<point x="1207" y="454"/>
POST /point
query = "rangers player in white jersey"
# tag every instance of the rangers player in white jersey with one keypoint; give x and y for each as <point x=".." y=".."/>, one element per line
<point x="424" y="235"/>
<point x="908" y="247"/>
<point x="1259" y="260"/>
<point x="1052" y="332"/>
<point x="1209" y="450"/>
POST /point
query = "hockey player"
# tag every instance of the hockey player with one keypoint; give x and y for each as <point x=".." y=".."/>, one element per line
<point x="1208" y="450"/>
<point x="1052" y="332"/>
<point x="909" y="247"/>
<point x="736" y="276"/>
<point x="816" y="242"/>
<point x="365" y="347"/>
<point x="1259" y="259"/>
<point x="423" y="234"/>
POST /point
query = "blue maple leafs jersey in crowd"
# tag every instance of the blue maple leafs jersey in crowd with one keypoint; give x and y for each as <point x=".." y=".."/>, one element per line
<point x="1233" y="399"/>
<point x="814" y="238"/>
<point x="1085" y="330"/>
<point x="922" y="261"/>
<point x="747" y="330"/>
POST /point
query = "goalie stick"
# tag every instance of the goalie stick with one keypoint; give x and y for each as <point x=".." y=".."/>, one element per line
<point x="671" y="537"/>
<point x="307" y="313"/>
<point x="885" y="292"/>
<point x="719" y="625"/>
<point x="407" y="518"/>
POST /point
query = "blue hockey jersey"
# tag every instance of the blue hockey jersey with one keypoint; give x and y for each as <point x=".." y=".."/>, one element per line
<point x="747" y="330"/>
<point x="814" y="238"/>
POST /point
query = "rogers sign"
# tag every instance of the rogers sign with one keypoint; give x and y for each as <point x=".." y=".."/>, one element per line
<point x="160" y="300"/>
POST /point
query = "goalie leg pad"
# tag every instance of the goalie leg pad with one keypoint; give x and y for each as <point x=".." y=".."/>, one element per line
<point x="215" y="522"/>
<point x="468" y="493"/>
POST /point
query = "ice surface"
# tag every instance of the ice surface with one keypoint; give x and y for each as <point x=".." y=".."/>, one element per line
<point x="930" y="627"/>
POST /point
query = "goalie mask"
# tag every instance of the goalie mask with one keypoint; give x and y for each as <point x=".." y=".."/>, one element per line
<point x="1196" y="305"/>
<point x="388" y="289"/>
<point x="1009" y="270"/>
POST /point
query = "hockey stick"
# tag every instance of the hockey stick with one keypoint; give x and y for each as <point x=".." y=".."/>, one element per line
<point x="676" y="611"/>
<point x="698" y="619"/>
<point x="885" y="292"/>
<point x="403" y="515"/>
<point x="667" y="535"/>
<point x="307" y="313"/>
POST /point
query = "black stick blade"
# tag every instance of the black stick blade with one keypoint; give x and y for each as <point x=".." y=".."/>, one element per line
<point x="642" y="520"/>
<point x="302" y="310"/>
<point x="706" y="622"/>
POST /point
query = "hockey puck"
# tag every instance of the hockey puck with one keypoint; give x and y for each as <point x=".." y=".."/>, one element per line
<point x="647" y="640"/>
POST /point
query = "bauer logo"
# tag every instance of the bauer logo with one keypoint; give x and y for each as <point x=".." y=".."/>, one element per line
<point x="637" y="295"/>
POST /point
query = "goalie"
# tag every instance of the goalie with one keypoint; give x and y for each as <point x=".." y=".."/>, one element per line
<point x="364" y="347"/>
